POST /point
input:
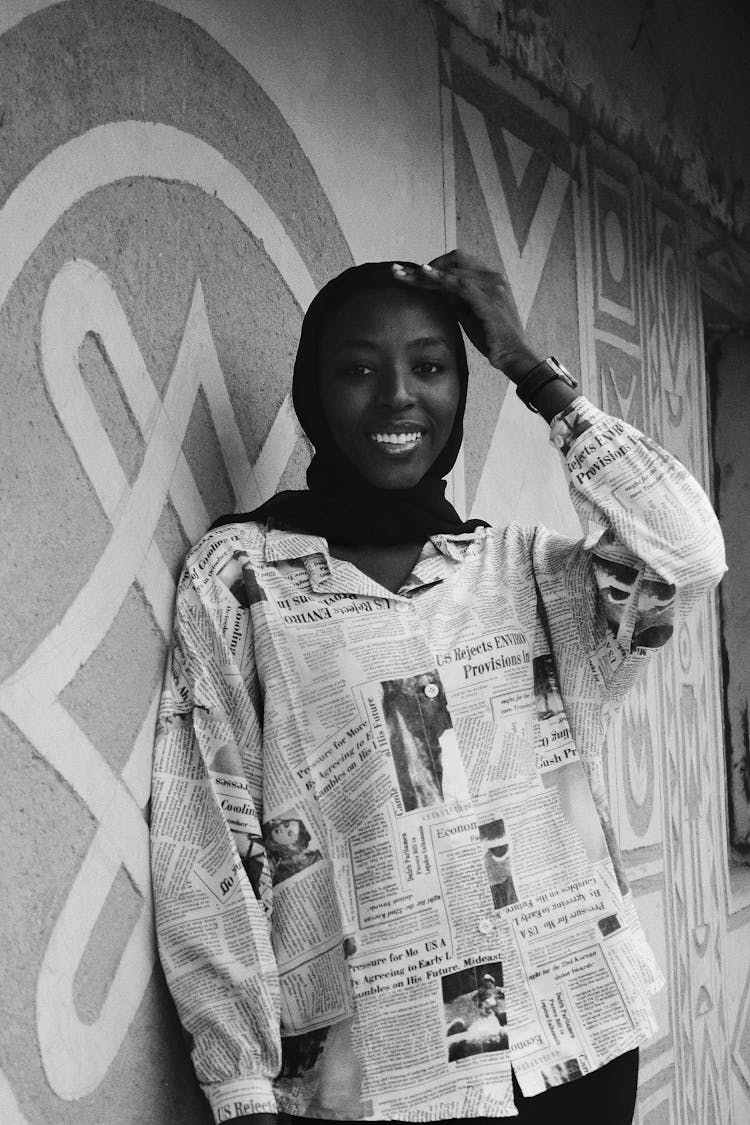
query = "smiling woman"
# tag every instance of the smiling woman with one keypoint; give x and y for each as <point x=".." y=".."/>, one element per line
<point x="402" y="689"/>
<point x="391" y="379"/>
<point x="380" y="383"/>
<point x="389" y="384"/>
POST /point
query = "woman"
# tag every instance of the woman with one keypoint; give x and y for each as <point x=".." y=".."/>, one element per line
<point x="305" y="631"/>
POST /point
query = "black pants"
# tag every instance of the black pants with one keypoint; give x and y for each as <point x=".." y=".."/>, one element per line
<point x="605" y="1097"/>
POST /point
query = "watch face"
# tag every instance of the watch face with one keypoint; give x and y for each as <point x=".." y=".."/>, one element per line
<point x="561" y="371"/>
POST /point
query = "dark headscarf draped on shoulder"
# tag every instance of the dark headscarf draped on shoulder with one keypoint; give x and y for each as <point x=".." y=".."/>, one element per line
<point x="338" y="502"/>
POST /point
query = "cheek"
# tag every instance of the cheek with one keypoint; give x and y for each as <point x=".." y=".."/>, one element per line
<point x="324" y="399"/>
<point x="342" y="405"/>
<point x="449" y="406"/>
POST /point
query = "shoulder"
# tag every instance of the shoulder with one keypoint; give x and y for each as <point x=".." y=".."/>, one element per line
<point x="511" y="541"/>
<point x="525" y="549"/>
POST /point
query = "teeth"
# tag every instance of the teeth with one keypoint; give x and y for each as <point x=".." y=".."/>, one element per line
<point x="397" y="439"/>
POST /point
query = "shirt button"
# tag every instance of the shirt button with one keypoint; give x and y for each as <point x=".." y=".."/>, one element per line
<point x="485" y="926"/>
<point x="431" y="690"/>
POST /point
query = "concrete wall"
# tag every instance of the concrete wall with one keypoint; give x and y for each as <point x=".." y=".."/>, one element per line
<point x="664" y="80"/>
<point x="176" y="180"/>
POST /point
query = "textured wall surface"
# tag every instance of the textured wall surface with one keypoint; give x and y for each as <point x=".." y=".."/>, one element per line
<point x="665" y="80"/>
<point x="730" y="355"/>
<point x="176" y="180"/>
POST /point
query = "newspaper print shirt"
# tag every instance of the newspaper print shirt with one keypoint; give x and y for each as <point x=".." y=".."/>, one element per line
<point x="383" y="861"/>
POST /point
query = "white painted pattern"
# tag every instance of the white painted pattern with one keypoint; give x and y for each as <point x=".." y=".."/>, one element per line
<point x="523" y="265"/>
<point x="123" y="149"/>
<point x="76" y="1054"/>
<point x="518" y="456"/>
<point x="612" y="228"/>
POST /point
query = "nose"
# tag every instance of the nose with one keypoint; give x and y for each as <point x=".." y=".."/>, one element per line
<point x="396" y="386"/>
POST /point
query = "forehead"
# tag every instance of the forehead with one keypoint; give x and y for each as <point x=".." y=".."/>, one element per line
<point x="378" y="314"/>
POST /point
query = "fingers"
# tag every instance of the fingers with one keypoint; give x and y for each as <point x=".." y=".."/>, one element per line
<point x="426" y="276"/>
<point x="460" y="260"/>
<point x="461" y="264"/>
<point x="454" y="263"/>
<point x="449" y="281"/>
<point x="455" y="274"/>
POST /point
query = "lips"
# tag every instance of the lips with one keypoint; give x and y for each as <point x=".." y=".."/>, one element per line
<point x="397" y="437"/>
<point x="407" y="438"/>
<point x="396" y="443"/>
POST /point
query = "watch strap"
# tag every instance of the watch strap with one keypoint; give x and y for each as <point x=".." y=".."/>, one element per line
<point x="545" y="372"/>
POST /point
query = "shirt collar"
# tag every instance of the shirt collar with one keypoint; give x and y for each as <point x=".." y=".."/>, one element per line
<point x="283" y="545"/>
<point x="329" y="575"/>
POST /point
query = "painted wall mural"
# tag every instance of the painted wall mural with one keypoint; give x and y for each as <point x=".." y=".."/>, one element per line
<point x="132" y="250"/>
<point x="161" y="230"/>
<point x="638" y="321"/>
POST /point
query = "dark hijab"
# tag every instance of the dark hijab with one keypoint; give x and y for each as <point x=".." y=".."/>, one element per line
<point x="339" y="503"/>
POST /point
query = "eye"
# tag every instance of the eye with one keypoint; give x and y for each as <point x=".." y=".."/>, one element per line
<point x="428" y="367"/>
<point x="357" y="370"/>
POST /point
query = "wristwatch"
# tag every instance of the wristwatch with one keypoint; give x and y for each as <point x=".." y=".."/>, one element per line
<point x="545" y="372"/>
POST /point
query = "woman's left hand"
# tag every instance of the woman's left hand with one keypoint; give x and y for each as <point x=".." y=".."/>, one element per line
<point x="484" y="305"/>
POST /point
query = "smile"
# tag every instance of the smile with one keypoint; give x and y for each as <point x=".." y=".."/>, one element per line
<point x="397" y="439"/>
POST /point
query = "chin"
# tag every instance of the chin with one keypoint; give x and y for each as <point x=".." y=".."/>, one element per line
<point x="392" y="472"/>
<point x="394" y="481"/>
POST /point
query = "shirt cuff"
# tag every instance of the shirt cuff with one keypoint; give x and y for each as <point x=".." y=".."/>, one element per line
<point x="240" y="1096"/>
<point x="572" y="422"/>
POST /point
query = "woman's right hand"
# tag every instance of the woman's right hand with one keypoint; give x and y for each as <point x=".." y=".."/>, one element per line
<point x="484" y="305"/>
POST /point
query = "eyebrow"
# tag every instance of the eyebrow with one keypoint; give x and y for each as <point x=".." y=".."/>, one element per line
<point x="426" y="341"/>
<point x="418" y="342"/>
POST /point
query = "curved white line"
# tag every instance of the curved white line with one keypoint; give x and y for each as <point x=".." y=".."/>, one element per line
<point x="76" y="1055"/>
<point x="124" y="149"/>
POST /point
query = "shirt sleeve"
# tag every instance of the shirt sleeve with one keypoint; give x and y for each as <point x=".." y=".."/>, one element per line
<point x="652" y="548"/>
<point x="209" y="869"/>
